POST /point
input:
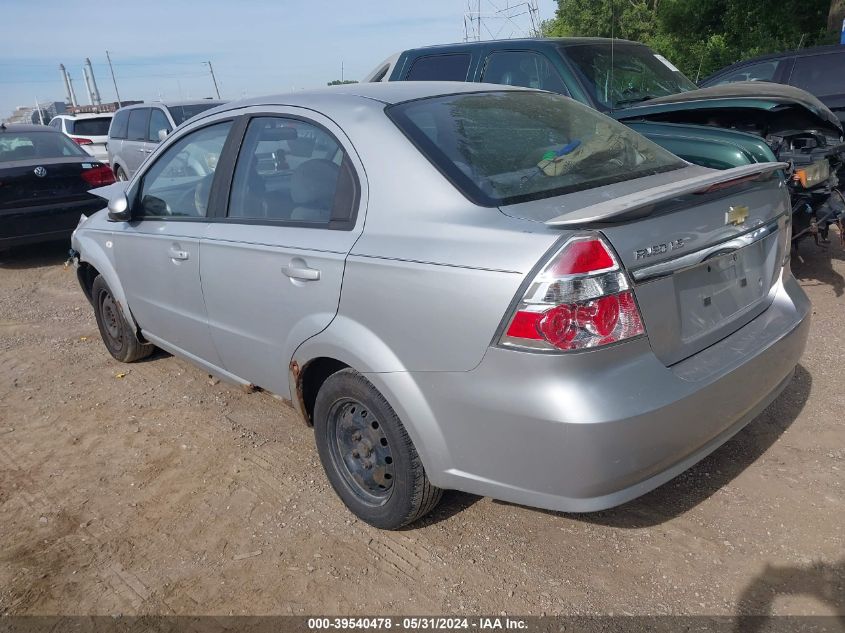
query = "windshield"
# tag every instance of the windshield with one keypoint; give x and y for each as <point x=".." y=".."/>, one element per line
<point x="34" y="145"/>
<point x="89" y="127"/>
<point x="636" y="73"/>
<point x="511" y="146"/>
<point x="182" y="113"/>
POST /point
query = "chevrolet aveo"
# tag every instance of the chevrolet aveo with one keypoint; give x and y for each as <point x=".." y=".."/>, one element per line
<point x="460" y="286"/>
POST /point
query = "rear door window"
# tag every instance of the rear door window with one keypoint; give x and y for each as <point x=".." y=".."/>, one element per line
<point x="291" y="170"/>
<point x="523" y="68"/>
<point x="452" y="67"/>
<point x="764" y="71"/>
<point x="119" y="124"/>
<point x="138" y="124"/>
<point x="820" y="74"/>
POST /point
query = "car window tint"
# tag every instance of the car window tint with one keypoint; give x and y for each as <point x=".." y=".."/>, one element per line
<point x="30" y="145"/>
<point x="119" y="124"/>
<point x="820" y="74"/>
<point x="764" y="71"/>
<point x="178" y="184"/>
<point x="440" y="68"/>
<point x="523" y="68"/>
<point x="158" y="121"/>
<point x="56" y="123"/>
<point x="92" y="127"/>
<point x="138" y="124"/>
<point x="291" y="170"/>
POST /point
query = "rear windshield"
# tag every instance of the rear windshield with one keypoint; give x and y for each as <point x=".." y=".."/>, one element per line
<point x="182" y="113"/>
<point x="507" y="147"/>
<point x="89" y="127"/>
<point x="34" y="145"/>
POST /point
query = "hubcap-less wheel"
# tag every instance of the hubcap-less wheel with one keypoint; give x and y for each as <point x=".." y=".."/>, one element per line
<point x="111" y="320"/>
<point x="360" y="451"/>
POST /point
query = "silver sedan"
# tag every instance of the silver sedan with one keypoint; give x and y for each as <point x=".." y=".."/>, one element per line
<point x="459" y="286"/>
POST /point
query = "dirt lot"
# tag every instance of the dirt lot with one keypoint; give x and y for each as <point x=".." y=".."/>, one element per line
<point x="161" y="492"/>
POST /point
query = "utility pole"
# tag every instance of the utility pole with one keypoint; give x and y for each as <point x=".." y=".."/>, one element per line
<point x="40" y="112"/>
<point x="113" y="80"/>
<point x="214" y="79"/>
<point x="341" y="71"/>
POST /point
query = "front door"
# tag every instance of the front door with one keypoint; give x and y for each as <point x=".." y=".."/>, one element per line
<point x="272" y="268"/>
<point x="158" y="252"/>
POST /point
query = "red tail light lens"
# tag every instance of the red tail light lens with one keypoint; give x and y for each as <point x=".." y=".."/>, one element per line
<point x="83" y="141"/>
<point x="580" y="300"/>
<point x="98" y="176"/>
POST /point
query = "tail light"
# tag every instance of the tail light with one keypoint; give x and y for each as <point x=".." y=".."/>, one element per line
<point x="83" y="141"/>
<point x="581" y="299"/>
<point x="98" y="176"/>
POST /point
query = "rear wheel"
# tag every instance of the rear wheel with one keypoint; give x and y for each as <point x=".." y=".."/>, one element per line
<point x="118" y="335"/>
<point x="120" y="174"/>
<point x="368" y="456"/>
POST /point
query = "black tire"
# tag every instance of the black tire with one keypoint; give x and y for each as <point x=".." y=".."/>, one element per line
<point x="354" y="425"/>
<point x="118" y="335"/>
<point x="120" y="174"/>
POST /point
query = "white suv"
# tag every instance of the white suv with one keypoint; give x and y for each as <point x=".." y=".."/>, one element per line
<point x="90" y="131"/>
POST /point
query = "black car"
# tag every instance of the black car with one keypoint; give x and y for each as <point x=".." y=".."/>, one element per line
<point x="819" y="70"/>
<point x="44" y="182"/>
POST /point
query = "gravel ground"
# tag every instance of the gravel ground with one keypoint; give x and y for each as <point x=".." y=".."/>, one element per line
<point x="151" y="489"/>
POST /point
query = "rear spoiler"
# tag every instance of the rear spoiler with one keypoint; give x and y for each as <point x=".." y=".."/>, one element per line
<point x="607" y="210"/>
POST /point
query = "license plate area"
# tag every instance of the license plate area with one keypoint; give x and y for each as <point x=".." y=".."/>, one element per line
<point x="716" y="292"/>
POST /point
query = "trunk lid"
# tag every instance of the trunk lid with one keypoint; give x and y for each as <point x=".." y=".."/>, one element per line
<point x="21" y="186"/>
<point x="703" y="250"/>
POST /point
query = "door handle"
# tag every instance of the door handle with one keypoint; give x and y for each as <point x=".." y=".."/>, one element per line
<point x="177" y="254"/>
<point x="303" y="273"/>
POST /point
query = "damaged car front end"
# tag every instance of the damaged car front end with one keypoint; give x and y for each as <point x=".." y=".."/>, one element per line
<point x="797" y="127"/>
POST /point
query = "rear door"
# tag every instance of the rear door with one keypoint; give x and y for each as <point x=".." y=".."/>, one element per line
<point x="272" y="267"/>
<point x="135" y="147"/>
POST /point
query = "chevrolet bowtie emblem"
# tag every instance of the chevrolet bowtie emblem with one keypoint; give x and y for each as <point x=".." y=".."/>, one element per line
<point x="736" y="215"/>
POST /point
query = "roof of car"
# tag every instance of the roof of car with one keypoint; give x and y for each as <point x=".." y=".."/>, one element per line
<point x="527" y="42"/>
<point x="386" y="92"/>
<point x="803" y="52"/>
<point x="83" y="115"/>
<point x="26" y="127"/>
<point x="187" y="102"/>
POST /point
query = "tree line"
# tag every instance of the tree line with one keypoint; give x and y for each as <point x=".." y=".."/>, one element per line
<point x="702" y="36"/>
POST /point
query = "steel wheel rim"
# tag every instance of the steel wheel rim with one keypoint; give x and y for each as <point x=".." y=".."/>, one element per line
<point x="112" y="323"/>
<point x="360" y="451"/>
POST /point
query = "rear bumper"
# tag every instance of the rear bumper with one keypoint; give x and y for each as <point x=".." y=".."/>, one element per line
<point x="43" y="223"/>
<point x="584" y="432"/>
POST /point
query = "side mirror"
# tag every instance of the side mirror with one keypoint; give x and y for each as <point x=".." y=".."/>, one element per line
<point x="119" y="209"/>
<point x="162" y="134"/>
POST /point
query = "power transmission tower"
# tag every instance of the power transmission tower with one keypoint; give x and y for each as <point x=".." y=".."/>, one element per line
<point x="501" y="19"/>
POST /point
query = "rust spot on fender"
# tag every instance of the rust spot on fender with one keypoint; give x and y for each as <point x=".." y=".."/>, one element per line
<point x="295" y="371"/>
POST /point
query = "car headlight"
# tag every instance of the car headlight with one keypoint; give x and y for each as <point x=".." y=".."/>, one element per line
<point x="813" y="174"/>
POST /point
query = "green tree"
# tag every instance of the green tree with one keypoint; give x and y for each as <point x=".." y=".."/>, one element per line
<point x="701" y="36"/>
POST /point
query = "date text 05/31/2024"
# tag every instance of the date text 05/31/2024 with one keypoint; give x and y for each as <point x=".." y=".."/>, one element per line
<point x="419" y="623"/>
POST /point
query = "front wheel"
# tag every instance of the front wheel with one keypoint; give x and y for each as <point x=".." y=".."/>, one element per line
<point x="367" y="454"/>
<point x="120" y="174"/>
<point x="118" y="335"/>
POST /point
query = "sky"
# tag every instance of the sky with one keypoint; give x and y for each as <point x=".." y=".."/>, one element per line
<point x="158" y="48"/>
